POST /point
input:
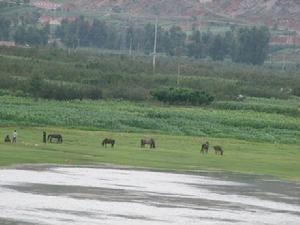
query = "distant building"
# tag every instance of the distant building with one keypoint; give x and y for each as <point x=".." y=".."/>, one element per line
<point x="7" y="43"/>
<point x="46" y="5"/>
<point x="286" y="40"/>
<point x="49" y="20"/>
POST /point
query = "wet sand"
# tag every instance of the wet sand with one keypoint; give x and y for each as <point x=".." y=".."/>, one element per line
<point x="57" y="195"/>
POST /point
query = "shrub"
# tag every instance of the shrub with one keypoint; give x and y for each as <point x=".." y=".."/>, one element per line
<point x="183" y="96"/>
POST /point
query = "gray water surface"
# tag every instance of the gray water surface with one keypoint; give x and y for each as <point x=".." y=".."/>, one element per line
<point x="80" y="195"/>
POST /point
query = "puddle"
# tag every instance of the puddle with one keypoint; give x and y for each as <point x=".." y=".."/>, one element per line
<point x="71" y="195"/>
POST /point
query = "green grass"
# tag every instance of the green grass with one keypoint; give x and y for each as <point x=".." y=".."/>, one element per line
<point x="254" y="142"/>
<point x="172" y="152"/>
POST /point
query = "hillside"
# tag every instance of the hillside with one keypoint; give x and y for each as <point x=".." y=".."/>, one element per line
<point x="283" y="13"/>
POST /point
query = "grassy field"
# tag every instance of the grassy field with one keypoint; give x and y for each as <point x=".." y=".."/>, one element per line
<point x="255" y="140"/>
<point x="172" y="152"/>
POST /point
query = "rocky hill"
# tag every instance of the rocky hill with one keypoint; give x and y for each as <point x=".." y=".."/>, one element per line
<point x="279" y="13"/>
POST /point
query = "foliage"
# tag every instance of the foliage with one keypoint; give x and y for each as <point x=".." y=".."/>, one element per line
<point x="182" y="96"/>
<point x="4" y="28"/>
<point x="132" y="78"/>
<point x="32" y="35"/>
<point x="244" y="45"/>
<point x="242" y="123"/>
<point x="253" y="45"/>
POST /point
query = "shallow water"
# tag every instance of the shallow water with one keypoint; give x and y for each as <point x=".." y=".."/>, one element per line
<point x="71" y="195"/>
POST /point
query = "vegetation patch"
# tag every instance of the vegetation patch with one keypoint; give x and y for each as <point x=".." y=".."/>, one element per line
<point x="182" y="96"/>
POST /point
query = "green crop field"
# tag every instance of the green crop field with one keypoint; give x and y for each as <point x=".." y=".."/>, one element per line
<point x="146" y="117"/>
<point x="254" y="142"/>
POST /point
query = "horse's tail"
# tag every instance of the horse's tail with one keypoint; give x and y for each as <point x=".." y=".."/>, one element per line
<point x="142" y="143"/>
<point x="61" y="139"/>
<point x="103" y="142"/>
<point x="221" y="151"/>
<point x="113" y="142"/>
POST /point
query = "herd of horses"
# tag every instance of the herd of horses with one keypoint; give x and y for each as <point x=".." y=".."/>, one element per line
<point x="217" y="148"/>
<point x="145" y="141"/>
<point x="150" y="141"/>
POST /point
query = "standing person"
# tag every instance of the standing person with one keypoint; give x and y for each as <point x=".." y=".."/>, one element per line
<point x="14" y="137"/>
<point x="44" y="137"/>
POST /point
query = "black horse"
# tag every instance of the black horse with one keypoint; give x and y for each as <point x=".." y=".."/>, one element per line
<point x="149" y="141"/>
<point x="108" y="141"/>
<point x="58" y="138"/>
<point x="218" y="150"/>
<point x="7" y="139"/>
<point x="204" y="148"/>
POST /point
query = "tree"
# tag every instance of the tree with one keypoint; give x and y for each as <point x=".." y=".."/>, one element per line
<point x="31" y="35"/>
<point x="177" y="41"/>
<point x="4" y="28"/>
<point x="195" y="46"/>
<point x="217" y="49"/>
<point x="253" y="45"/>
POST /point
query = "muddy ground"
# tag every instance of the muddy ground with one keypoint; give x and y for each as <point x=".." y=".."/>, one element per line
<point x="57" y="195"/>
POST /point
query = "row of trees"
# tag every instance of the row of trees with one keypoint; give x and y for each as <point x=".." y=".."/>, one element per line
<point x="245" y="45"/>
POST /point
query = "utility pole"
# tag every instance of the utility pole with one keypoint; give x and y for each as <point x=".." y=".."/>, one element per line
<point x="130" y="47"/>
<point x="155" y="46"/>
<point x="178" y="74"/>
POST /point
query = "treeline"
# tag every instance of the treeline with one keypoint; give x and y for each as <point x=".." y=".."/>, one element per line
<point x="245" y="45"/>
<point x="242" y="45"/>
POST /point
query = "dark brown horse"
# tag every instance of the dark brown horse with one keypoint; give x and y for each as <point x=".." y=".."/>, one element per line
<point x="204" y="148"/>
<point x="7" y="139"/>
<point x="58" y="138"/>
<point x="218" y="150"/>
<point x="108" y="141"/>
<point x="148" y="141"/>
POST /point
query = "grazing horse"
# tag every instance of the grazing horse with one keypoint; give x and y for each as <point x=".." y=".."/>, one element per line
<point x="108" y="141"/>
<point x="204" y="148"/>
<point x="7" y="139"/>
<point x="58" y="138"/>
<point x="218" y="150"/>
<point x="149" y="141"/>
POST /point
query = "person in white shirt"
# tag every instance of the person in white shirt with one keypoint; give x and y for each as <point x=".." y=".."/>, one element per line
<point x="14" y="137"/>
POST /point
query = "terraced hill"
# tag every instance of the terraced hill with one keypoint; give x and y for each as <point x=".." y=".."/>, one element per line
<point x="284" y="13"/>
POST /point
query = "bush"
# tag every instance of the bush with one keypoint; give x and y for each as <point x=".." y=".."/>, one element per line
<point x="296" y="91"/>
<point x="183" y="96"/>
